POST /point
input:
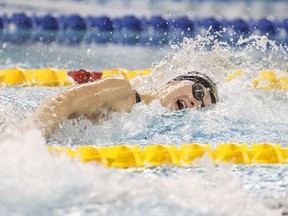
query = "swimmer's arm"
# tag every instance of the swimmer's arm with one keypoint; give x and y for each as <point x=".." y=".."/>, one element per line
<point x="110" y="94"/>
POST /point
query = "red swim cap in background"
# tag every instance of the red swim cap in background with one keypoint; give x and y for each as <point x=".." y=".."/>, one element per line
<point x="84" y="76"/>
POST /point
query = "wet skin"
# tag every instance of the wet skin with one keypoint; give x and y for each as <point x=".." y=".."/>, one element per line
<point x="178" y="95"/>
<point x="96" y="100"/>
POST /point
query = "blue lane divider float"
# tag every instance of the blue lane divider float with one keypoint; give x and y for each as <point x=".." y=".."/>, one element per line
<point x="74" y="29"/>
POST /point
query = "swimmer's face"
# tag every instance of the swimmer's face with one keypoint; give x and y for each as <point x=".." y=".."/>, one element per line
<point x="178" y="95"/>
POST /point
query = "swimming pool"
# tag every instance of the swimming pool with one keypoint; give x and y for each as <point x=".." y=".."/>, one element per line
<point x="35" y="183"/>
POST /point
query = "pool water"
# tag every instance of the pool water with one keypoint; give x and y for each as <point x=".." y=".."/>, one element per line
<point x="34" y="182"/>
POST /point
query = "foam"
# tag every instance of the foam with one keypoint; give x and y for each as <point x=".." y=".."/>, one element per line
<point x="33" y="182"/>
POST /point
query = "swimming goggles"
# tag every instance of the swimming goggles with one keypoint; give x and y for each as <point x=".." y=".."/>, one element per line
<point x="198" y="93"/>
<point x="198" y="78"/>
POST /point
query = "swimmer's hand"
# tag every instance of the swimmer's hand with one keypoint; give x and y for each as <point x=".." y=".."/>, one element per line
<point x="93" y="100"/>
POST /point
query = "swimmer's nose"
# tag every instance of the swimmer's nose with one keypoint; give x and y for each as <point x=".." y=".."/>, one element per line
<point x="192" y="102"/>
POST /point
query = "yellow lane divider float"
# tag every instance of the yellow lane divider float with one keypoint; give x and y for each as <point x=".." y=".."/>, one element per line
<point x="268" y="79"/>
<point x="32" y="77"/>
<point x="126" y="156"/>
<point x="61" y="77"/>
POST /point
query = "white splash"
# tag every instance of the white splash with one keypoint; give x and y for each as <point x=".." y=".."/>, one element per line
<point x="34" y="182"/>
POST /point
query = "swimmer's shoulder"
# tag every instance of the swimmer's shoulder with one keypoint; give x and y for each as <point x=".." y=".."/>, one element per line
<point x="108" y="82"/>
<point x="105" y="87"/>
<point x="116" y="81"/>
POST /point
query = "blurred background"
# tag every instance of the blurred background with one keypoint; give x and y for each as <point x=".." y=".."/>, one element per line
<point x="104" y="31"/>
<point x="172" y="36"/>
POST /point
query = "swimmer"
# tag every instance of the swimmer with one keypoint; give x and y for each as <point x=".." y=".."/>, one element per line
<point x="97" y="99"/>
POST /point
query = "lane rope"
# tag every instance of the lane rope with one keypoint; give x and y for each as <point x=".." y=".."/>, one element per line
<point x="19" y="28"/>
<point x="126" y="156"/>
<point x="52" y="77"/>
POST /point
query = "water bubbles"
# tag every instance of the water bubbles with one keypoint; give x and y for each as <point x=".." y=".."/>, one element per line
<point x="4" y="45"/>
<point x="243" y="115"/>
<point x="88" y="52"/>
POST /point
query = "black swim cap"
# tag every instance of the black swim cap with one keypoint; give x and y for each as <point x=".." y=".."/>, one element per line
<point x="202" y="79"/>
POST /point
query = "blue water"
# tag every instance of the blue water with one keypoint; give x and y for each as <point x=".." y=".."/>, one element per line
<point x="243" y="115"/>
<point x="33" y="182"/>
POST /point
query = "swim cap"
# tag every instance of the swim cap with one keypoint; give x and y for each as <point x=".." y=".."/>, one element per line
<point x="202" y="79"/>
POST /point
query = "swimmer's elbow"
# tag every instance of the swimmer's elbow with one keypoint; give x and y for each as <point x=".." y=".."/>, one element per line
<point x="42" y="124"/>
<point x="48" y="119"/>
<point x="53" y="112"/>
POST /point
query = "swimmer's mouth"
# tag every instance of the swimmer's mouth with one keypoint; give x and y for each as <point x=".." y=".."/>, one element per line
<point x="181" y="104"/>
